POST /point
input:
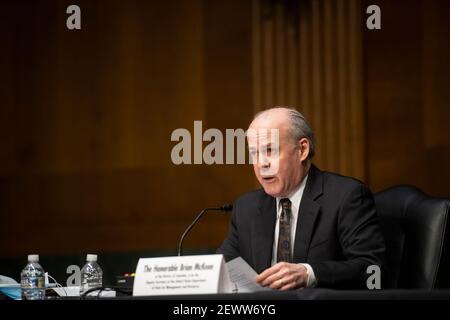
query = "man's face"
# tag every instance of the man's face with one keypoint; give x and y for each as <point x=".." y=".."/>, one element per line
<point x="280" y="171"/>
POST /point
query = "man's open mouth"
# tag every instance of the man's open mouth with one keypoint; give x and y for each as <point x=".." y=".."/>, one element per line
<point x="268" y="179"/>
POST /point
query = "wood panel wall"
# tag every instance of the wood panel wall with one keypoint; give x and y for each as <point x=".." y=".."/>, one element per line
<point x="86" y="120"/>
<point x="86" y="116"/>
<point x="407" y="75"/>
<point x="308" y="54"/>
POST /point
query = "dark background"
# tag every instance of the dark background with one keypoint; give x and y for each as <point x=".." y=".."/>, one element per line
<point x="86" y="116"/>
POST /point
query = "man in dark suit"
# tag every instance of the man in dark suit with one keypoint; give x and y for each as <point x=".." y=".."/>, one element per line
<point x="305" y="227"/>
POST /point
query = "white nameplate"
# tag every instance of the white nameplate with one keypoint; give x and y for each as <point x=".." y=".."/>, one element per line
<point x="205" y="274"/>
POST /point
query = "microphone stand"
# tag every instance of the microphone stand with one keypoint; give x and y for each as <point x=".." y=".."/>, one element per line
<point x="225" y="208"/>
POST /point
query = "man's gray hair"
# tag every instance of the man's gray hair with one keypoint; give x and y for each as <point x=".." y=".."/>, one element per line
<point x="298" y="126"/>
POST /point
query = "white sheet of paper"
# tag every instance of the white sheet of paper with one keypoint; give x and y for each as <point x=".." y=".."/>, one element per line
<point x="75" y="292"/>
<point x="67" y="291"/>
<point x="243" y="276"/>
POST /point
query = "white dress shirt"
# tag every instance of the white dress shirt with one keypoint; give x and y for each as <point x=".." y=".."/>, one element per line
<point x="295" y="198"/>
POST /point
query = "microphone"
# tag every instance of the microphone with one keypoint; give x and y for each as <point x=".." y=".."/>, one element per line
<point x="225" y="208"/>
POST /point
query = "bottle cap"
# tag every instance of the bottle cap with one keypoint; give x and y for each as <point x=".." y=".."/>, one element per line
<point x="91" y="257"/>
<point x="33" y="258"/>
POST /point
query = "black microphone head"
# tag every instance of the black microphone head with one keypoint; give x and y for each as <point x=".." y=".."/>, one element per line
<point x="226" y="207"/>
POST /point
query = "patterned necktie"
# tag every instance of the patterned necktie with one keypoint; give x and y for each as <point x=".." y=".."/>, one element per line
<point x="284" y="232"/>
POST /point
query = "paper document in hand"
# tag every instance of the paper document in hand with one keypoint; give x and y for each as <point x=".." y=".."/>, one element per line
<point x="243" y="276"/>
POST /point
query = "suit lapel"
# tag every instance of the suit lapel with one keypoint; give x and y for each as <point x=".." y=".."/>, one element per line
<point x="263" y="232"/>
<point x="308" y="212"/>
<point x="264" y="223"/>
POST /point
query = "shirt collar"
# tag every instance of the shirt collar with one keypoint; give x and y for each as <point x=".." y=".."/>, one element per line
<point x="295" y="196"/>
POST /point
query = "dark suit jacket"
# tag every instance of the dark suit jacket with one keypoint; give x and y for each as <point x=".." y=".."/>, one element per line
<point x="337" y="230"/>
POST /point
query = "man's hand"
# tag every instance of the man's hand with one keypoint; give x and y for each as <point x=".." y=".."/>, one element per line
<point x="284" y="276"/>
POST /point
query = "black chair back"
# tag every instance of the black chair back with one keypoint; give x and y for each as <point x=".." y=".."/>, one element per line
<point x="416" y="231"/>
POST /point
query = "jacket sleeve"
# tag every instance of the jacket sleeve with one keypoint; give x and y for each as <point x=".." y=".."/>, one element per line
<point x="361" y="241"/>
<point x="230" y="246"/>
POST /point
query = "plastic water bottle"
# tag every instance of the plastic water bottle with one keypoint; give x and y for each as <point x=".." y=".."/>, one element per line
<point x="32" y="279"/>
<point x="91" y="274"/>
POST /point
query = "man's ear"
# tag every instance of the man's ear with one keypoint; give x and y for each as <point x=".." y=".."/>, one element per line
<point x="304" y="148"/>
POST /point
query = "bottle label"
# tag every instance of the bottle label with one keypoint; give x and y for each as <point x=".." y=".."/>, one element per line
<point x="33" y="282"/>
